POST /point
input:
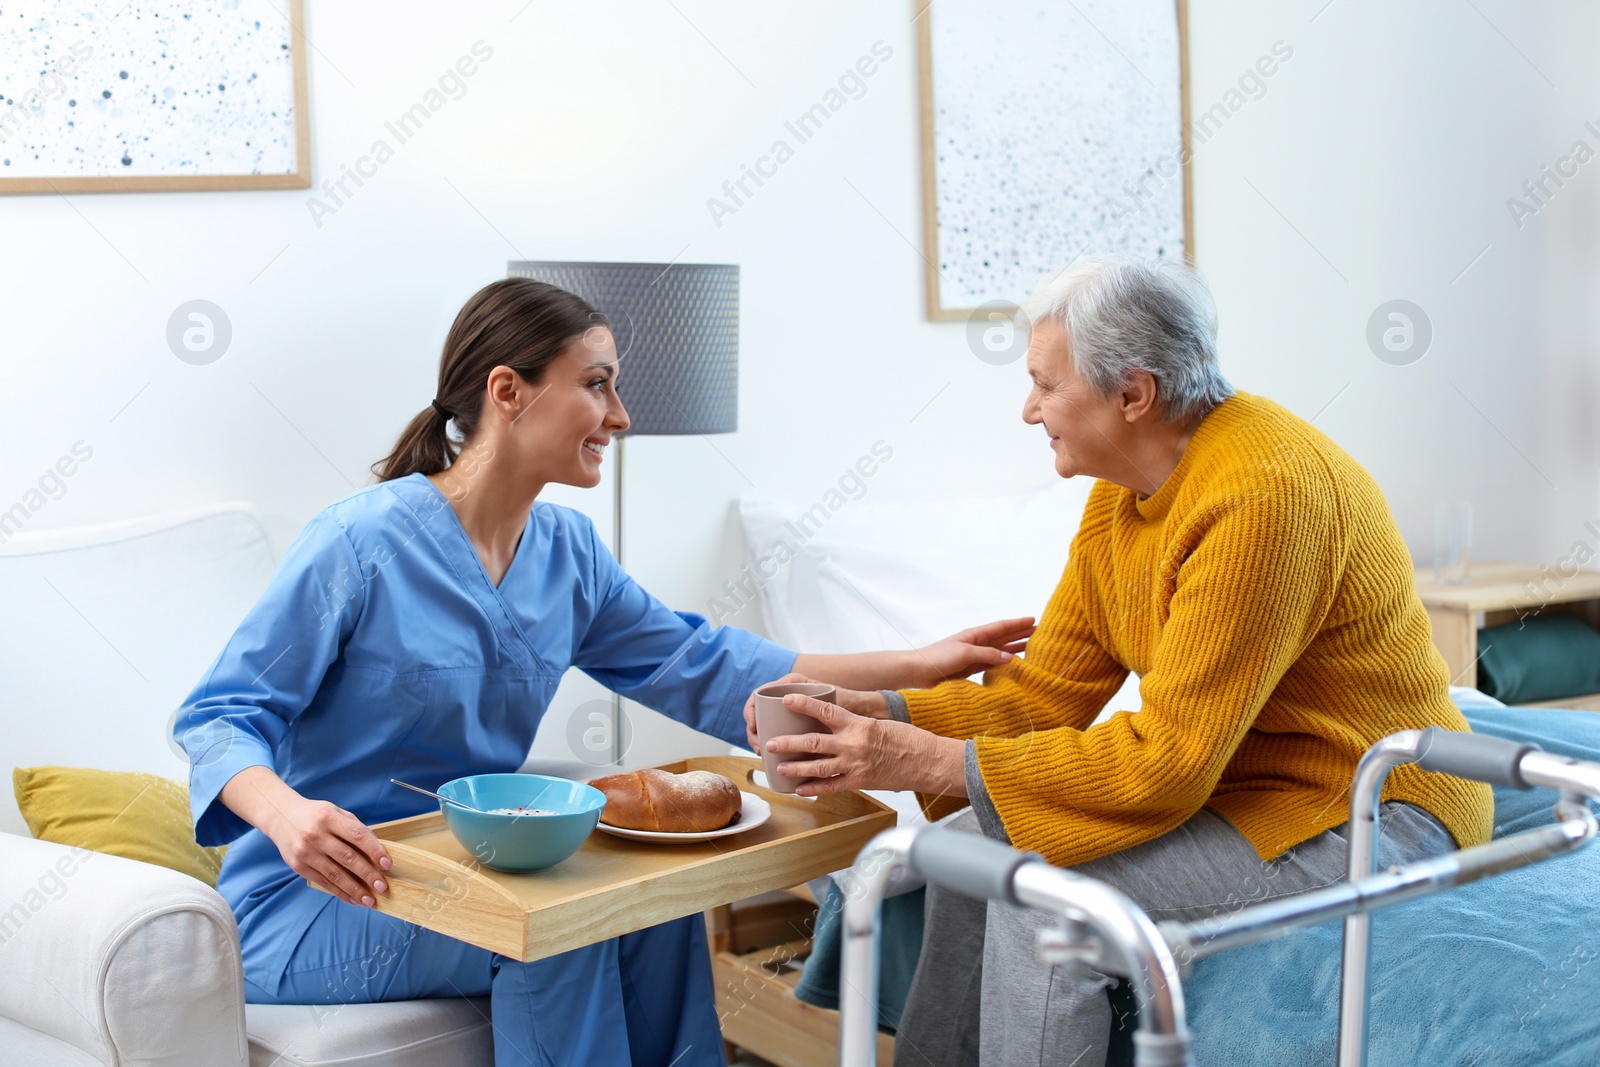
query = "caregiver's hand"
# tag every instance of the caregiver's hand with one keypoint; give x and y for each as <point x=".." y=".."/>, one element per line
<point x="861" y="703"/>
<point x="968" y="652"/>
<point x="320" y="841"/>
<point x="869" y="753"/>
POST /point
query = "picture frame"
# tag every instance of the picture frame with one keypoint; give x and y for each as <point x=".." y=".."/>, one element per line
<point x="953" y="294"/>
<point x="61" y="115"/>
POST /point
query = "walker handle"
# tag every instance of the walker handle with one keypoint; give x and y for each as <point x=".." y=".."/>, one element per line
<point x="1478" y="757"/>
<point x="968" y="863"/>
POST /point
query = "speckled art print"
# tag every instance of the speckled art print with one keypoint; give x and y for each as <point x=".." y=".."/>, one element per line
<point x="1050" y="130"/>
<point x="119" y="95"/>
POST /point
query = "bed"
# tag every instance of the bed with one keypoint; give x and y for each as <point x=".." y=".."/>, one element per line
<point x="1494" y="974"/>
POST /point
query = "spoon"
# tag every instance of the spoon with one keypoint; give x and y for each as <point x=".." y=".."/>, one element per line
<point x="436" y="796"/>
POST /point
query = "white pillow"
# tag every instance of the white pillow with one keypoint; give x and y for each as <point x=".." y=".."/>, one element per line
<point x="110" y="628"/>
<point x="900" y="575"/>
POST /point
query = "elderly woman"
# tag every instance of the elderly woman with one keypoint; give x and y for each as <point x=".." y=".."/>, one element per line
<point x="1251" y="574"/>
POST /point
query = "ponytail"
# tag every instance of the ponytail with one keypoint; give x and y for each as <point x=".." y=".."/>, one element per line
<point x="515" y="322"/>
<point x="424" y="447"/>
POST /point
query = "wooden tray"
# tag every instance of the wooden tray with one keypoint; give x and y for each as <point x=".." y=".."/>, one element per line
<point x="612" y="885"/>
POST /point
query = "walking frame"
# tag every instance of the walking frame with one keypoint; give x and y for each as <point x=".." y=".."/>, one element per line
<point x="1101" y="928"/>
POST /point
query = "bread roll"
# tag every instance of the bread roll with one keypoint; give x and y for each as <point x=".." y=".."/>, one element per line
<point x="693" y="802"/>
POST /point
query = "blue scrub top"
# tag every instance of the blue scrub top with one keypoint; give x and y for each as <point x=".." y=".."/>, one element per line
<point x="381" y="649"/>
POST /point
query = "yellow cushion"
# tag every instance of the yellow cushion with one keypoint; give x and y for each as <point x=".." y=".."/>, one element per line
<point x="138" y="816"/>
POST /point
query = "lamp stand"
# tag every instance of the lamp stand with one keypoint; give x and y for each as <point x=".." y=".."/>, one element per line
<point x="616" y="550"/>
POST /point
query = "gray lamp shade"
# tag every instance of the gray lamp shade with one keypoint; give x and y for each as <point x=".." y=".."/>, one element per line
<point x="677" y="332"/>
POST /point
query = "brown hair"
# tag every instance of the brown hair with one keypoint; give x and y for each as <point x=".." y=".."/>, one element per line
<point x="515" y="322"/>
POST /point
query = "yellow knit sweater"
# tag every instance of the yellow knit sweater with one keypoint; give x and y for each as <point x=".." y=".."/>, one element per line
<point x="1265" y="598"/>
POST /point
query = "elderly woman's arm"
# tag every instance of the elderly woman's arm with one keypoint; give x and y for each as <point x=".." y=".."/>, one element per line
<point x="1245" y="604"/>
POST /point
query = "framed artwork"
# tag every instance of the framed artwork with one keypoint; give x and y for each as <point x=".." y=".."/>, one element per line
<point x="153" y="95"/>
<point x="1050" y="129"/>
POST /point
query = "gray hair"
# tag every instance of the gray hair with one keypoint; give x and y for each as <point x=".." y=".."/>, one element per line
<point x="1123" y="314"/>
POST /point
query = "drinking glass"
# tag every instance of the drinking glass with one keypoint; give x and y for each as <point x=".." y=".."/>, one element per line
<point x="1452" y="542"/>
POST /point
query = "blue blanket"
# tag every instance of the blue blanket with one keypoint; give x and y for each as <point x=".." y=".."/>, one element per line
<point x="1496" y="974"/>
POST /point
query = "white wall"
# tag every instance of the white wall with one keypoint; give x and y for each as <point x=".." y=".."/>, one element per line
<point x="1390" y="144"/>
<point x="1383" y="151"/>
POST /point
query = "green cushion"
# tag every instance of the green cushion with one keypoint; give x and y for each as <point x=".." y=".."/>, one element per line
<point x="1543" y="658"/>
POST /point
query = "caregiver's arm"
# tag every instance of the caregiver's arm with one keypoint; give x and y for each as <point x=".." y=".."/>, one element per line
<point x="861" y="679"/>
<point x="235" y="721"/>
<point x="673" y="662"/>
<point x="321" y="842"/>
<point x="957" y="656"/>
<point x="681" y="666"/>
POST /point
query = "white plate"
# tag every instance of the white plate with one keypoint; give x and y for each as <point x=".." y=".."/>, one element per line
<point x="753" y="811"/>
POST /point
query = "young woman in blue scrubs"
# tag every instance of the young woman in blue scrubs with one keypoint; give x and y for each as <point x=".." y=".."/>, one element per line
<point x="417" y="629"/>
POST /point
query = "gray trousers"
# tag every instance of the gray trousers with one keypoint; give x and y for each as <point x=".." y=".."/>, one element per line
<point x="979" y="995"/>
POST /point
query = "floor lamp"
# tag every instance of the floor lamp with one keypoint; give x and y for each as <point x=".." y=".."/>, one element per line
<point x="677" y="332"/>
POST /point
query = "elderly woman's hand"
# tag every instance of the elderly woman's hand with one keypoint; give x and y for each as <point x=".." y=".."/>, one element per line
<point x="869" y="704"/>
<point x="868" y="753"/>
<point x="967" y="652"/>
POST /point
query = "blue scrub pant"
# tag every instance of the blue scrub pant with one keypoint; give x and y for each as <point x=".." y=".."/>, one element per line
<point x="644" y="998"/>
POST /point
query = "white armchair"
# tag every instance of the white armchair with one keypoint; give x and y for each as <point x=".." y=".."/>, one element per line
<point x="126" y="963"/>
<point x="113" y="961"/>
<point x="107" y="960"/>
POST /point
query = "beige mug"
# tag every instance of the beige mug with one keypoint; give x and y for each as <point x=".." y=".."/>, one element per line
<point x="775" y="720"/>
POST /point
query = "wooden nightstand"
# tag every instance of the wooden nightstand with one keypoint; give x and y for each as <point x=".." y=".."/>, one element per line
<point x="1504" y="592"/>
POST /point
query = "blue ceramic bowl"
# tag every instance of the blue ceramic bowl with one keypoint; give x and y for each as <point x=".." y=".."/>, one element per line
<point x="521" y="844"/>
